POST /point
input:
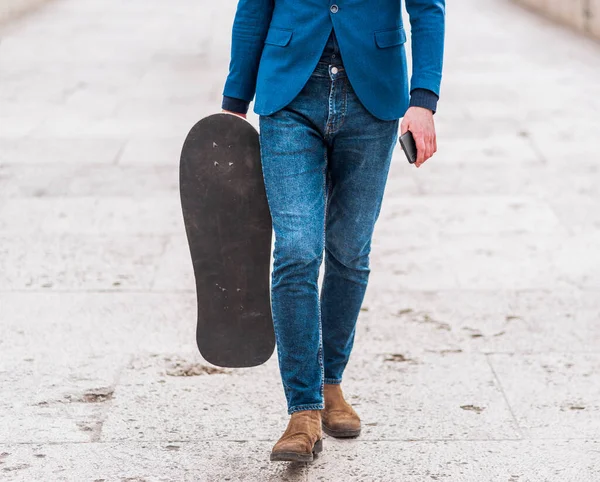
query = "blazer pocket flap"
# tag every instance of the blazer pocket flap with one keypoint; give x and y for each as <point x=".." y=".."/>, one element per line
<point x="389" y="38"/>
<point x="278" y="36"/>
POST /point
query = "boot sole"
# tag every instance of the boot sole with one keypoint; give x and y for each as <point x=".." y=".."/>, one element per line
<point x="341" y="433"/>
<point x="296" y="457"/>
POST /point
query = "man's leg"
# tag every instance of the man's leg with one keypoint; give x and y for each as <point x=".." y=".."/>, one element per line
<point x="360" y="155"/>
<point x="293" y="157"/>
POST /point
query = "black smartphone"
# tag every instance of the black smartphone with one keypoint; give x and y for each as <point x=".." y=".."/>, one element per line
<point x="407" y="141"/>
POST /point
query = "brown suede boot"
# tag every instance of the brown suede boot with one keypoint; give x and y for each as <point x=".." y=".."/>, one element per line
<point x="302" y="438"/>
<point x="339" y="418"/>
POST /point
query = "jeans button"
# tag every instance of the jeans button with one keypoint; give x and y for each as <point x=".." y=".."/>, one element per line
<point x="334" y="8"/>
<point x="334" y="70"/>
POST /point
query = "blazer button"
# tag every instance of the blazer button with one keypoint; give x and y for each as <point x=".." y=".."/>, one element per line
<point x="334" y="8"/>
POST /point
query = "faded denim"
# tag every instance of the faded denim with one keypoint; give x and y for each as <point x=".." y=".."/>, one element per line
<point x="325" y="162"/>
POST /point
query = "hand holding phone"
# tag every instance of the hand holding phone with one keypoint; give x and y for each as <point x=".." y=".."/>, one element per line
<point x="407" y="141"/>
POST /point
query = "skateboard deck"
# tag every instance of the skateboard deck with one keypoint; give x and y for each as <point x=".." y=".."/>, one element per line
<point x="228" y="227"/>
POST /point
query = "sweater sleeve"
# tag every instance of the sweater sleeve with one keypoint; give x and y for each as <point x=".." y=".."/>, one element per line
<point x="232" y="104"/>
<point x="424" y="98"/>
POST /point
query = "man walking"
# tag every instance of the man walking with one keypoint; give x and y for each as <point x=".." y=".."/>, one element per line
<point x="331" y="84"/>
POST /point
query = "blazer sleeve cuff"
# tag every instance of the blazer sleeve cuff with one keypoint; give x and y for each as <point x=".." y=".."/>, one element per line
<point x="424" y="98"/>
<point x="235" y="105"/>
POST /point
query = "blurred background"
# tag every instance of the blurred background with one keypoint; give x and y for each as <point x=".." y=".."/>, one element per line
<point x="478" y="346"/>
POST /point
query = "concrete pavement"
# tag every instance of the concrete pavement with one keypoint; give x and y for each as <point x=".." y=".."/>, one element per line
<point x="478" y="346"/>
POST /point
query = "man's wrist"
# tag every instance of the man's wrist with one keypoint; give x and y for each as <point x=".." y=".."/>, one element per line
<point x="232" y="104"/>
<point x="424" y="98"/>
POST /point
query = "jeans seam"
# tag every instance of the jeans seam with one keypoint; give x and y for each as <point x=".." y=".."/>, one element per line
<point x="328" y="123"/>
<point x="345" y="82"/>
<point x="321" y="364"/>
<point x="326" y="217"/>
<point x="277" y="344"/>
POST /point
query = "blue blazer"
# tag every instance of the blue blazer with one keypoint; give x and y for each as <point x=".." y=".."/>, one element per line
<point x="276" y="45"/>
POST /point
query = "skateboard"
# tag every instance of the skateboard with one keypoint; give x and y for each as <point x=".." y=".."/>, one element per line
<point x="228" y="227"/>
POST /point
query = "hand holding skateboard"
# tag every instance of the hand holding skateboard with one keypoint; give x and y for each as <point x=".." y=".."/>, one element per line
<point x="243" y="116"/>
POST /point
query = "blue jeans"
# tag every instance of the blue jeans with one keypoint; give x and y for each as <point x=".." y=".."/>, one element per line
<point x="325" y="162"/>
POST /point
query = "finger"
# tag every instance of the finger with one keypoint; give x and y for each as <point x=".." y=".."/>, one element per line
<point x="421" y="149"/>
<point x="426" y="156"/>
<point x="403" y="128"/>
<point x="434" y="143"/>
<point x="420" y="157"/>
<point x="430" y="148"/>
<point x="239" y="114"/>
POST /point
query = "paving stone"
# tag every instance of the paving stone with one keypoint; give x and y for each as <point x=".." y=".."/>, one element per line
<point x="74" y="382"/>
<point x="93" y="216"/>
<point x="152" y="462"/>
<point x="432" y="396"/>
<point x="510" y="179"/>
<point x="33" y="180"/>
<point x="56" y="395"/>
<point x="427" y="216"/>
<point x="566" y="144"/>
<point x="154" y="151"/>
<point x="156" y="181"/>
<point x="44" y="150"/>
<point x="240" y="404"/>
<point x="488" y="261"/>
<point x="175" y="271"/>
<point x="413" y="322"/>
<point x="552" y="395"/>
<point x="495" y="149"/>
<point x="17" y="127"/>
<point x="350" y="460"/>
<point x="523" y="261"/>
<point x="409" y="263"/>
<point x="121" y="324"/>
<point x="66" y="125"/>
<point x="78" y="263"/>
<point x="72" y="180"/>
<point x="580" y="214"/>
<point x="570" y="12"/>
<point x="577" y="261"/>
<point x="464" y="461"/>
<point x="471" y="179"/>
